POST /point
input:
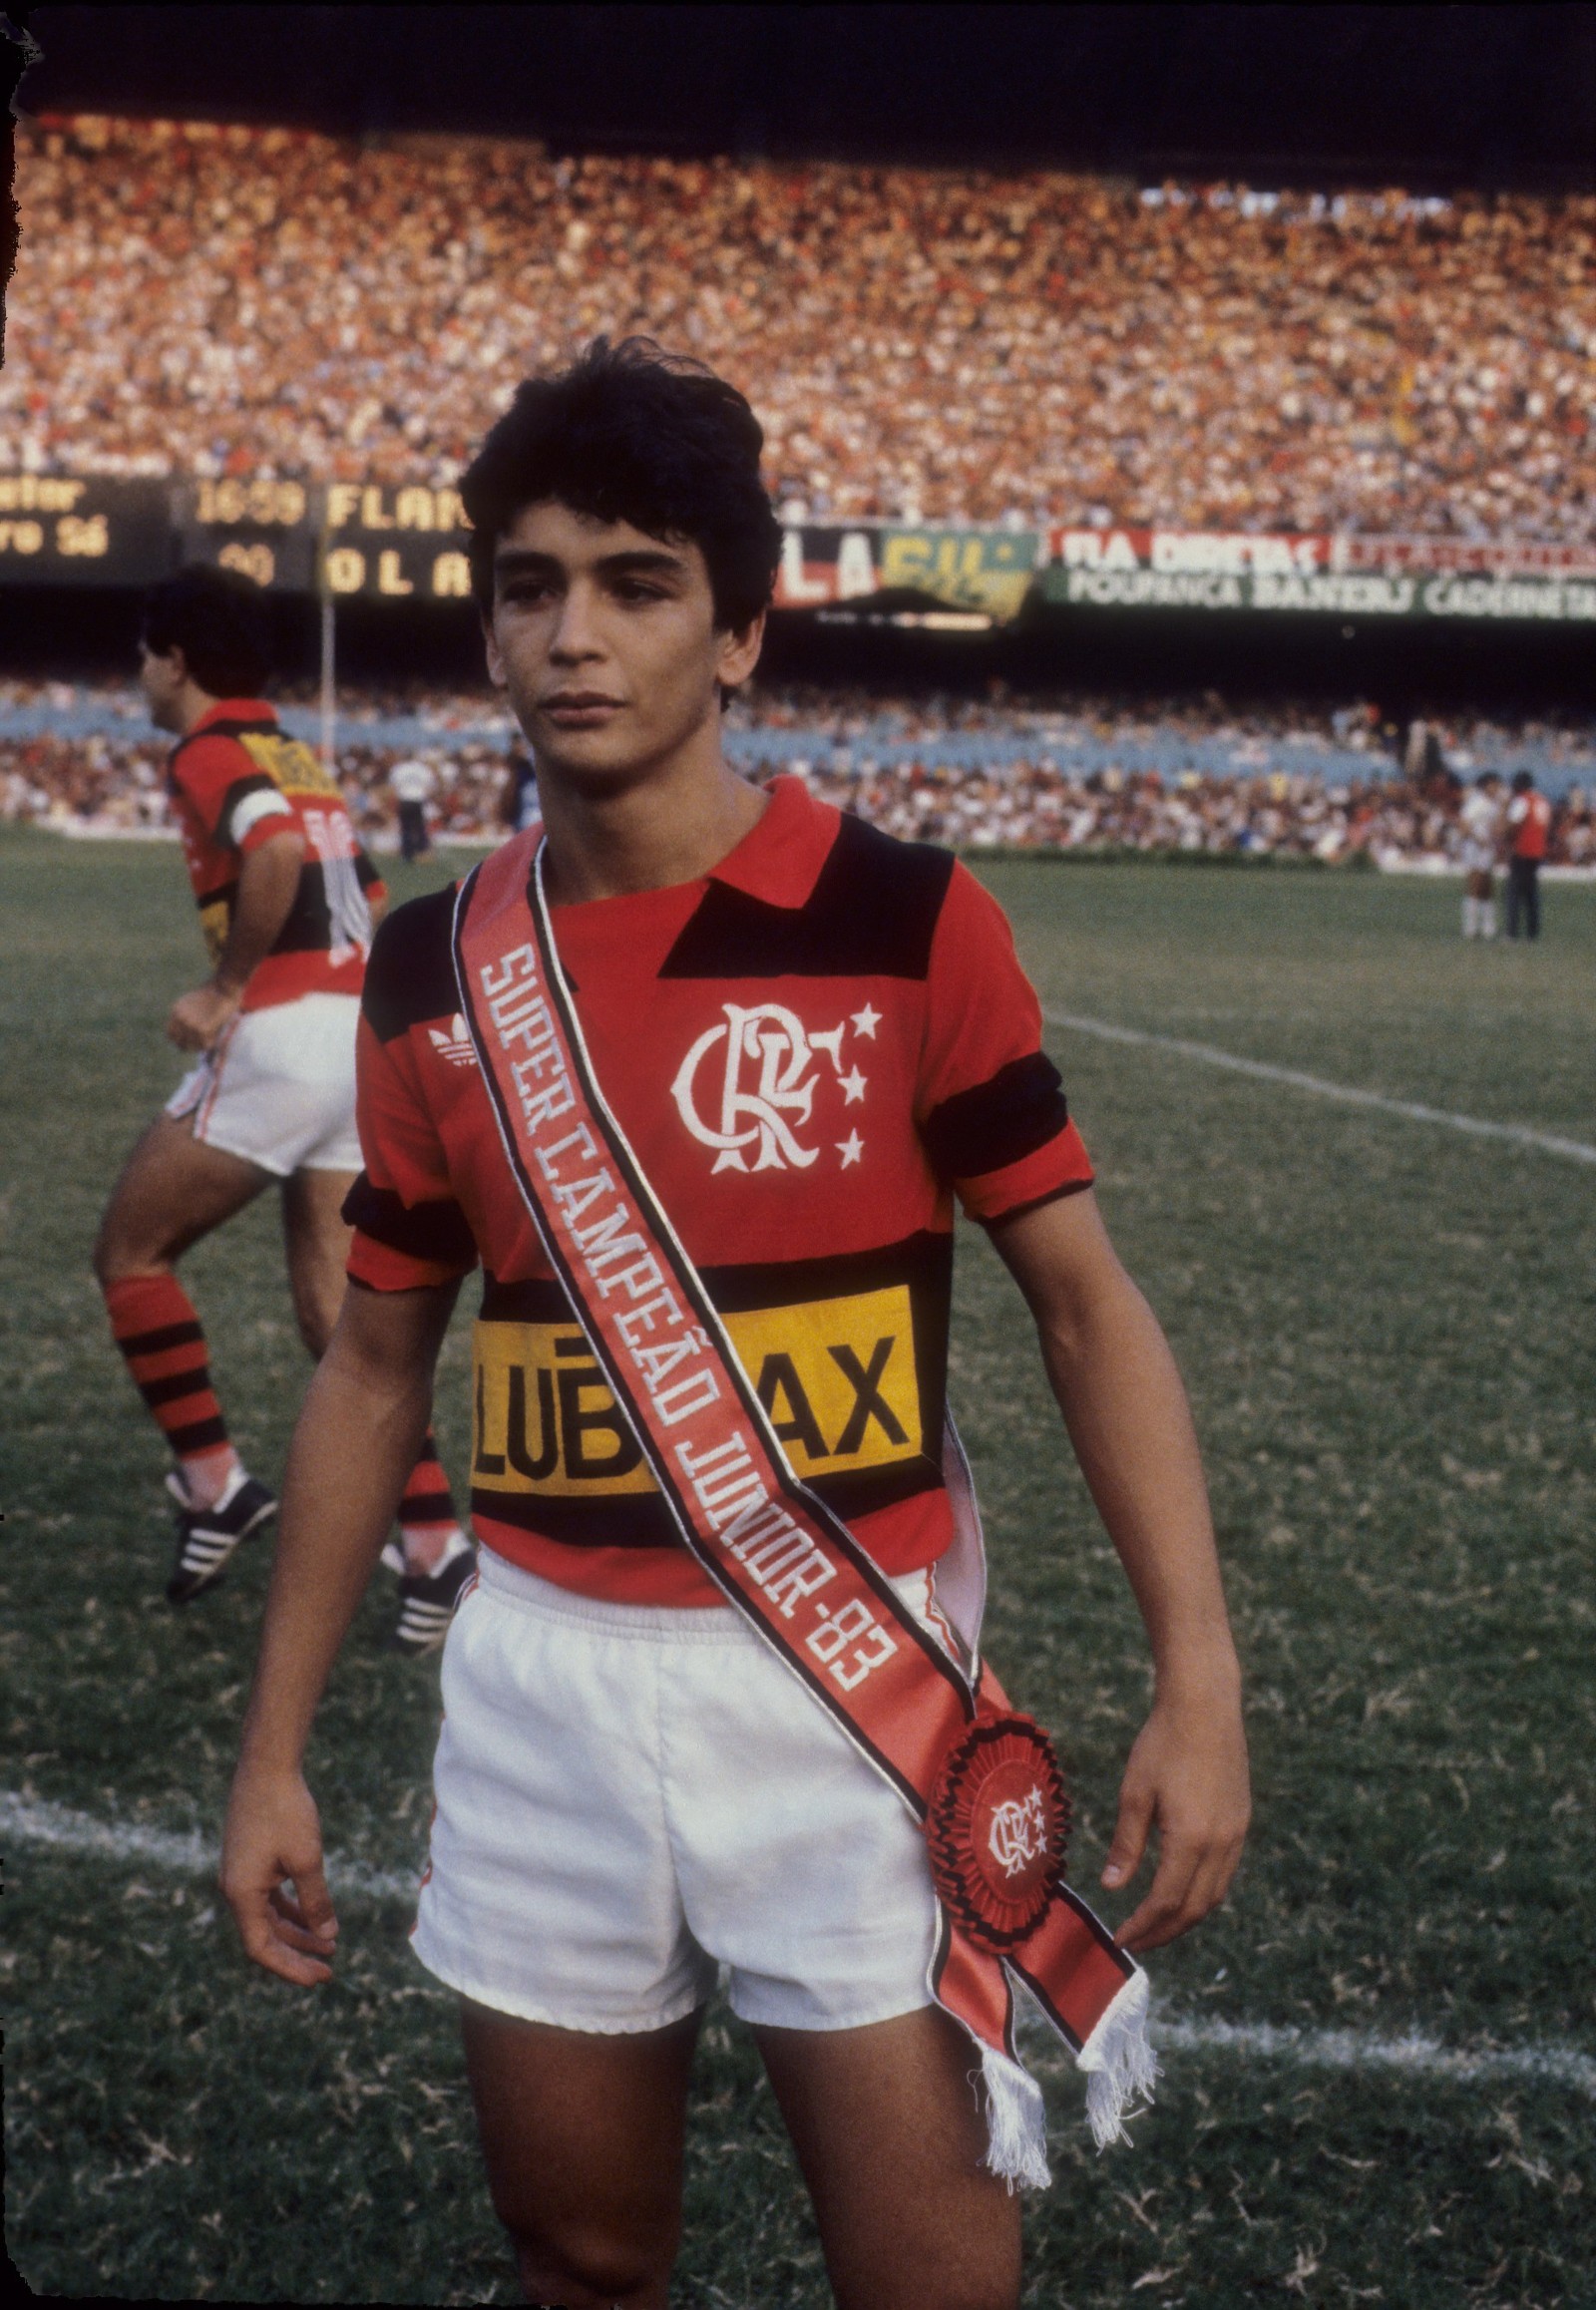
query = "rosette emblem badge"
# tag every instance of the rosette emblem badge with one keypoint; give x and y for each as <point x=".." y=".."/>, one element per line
<point x="998" y="1825"/>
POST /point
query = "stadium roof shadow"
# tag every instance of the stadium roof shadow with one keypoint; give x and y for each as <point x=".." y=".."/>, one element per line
<point x="1436" y="98"/>
<point x="1410" y="666"/>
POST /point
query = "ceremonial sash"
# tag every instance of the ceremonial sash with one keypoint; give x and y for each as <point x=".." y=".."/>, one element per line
<point x="981" y="1779"/>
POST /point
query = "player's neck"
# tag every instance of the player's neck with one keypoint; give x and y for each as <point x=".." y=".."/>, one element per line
<point x="189" y="708"/>
<point x="669" y="828"/>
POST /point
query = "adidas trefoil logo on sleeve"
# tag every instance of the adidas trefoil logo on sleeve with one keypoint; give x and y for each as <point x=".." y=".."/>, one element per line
<point x="454" y="1047"/>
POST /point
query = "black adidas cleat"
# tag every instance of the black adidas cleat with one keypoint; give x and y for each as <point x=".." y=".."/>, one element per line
<point x="428" y="1602"/>
<point x="206" y="1537"/>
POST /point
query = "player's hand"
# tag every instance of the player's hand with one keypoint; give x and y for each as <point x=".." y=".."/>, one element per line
<point x="1188" y="1775"/>
<point x="197" y="1018"/>
<point x="274" y="1841"/>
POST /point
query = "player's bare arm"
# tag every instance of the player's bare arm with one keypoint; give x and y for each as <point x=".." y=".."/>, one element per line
<point x="363" y="1419"/>
<point x="1125" y="1408"/>
<point x="267" y="883"/>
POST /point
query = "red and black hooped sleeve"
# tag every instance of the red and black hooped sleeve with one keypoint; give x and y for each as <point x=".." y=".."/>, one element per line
<point x="409" y="1231"/>
<point x="992" y="1111"/>
<point x="240" y="805"/>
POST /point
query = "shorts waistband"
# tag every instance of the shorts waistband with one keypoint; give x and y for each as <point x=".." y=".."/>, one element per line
<point x="711" y="1623"/>
<point x="717" y="1624"/>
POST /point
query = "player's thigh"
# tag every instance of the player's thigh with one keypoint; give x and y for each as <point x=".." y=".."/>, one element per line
<point x="172" y="1190"/>
<point x="583" y="2137"/>
<point x="890" y="2131"/>
<point x="317" y="1237"/>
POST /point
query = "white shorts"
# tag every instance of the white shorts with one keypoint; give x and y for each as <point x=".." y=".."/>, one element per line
<point x="1477" y="858"/>
<point x="279" y="1088"/>
<point x="629" y="1798"/>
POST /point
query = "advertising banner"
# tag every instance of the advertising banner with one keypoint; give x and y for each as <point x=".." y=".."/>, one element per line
<point x="362" y="537"/>
<point x="408" y="543"/>
<point x="989" y="572"/>
<point x="266" y="528"/>
<point x="404" y="544"/>
<point x="65" y="530"/>
<point x="1364" y="576"/>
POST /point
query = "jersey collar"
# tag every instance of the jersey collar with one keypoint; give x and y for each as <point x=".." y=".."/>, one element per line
<point x="779" y="860"/>
<point x="233" y="710"/>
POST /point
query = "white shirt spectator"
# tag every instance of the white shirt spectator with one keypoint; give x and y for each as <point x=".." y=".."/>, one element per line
<point x="413" y="780"/>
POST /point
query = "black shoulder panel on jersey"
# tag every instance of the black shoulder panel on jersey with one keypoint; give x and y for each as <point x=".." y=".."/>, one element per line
<point x="873" y="910"/>
<point x="1018" y="1110"/>
<point x="411" y="974"/>
<point x="426" y="1231"/>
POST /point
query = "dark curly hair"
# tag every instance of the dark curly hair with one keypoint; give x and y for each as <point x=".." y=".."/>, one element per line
<point x="220" y="620"/>
<point x="633" y="434"/>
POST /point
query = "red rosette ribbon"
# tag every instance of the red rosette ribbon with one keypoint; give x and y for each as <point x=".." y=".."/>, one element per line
<point x="997" y="1827"/>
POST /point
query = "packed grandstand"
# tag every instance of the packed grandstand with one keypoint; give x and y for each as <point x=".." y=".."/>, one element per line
<point x="920" y="345"/>
<point x="196" y="301"/>
<point x="1082" y="775"/>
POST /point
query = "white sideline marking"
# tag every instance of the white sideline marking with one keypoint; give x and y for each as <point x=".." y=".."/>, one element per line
<point x="1517" y="1134"/>
<point x="33" y="1822"/>
<point x="28" y="1820"/>
<point x="1413" y="2055"/>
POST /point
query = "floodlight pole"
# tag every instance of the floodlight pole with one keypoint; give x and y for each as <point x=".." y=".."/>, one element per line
<point x="329" y="702"/>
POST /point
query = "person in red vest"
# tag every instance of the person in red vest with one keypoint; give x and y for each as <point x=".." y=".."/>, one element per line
<point x="1529" y="825"/>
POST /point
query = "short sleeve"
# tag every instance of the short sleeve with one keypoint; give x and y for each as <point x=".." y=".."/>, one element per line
<point x="239" y="805"/>
<point x="410" y="1232"/>
<point x="990" y="1104"/>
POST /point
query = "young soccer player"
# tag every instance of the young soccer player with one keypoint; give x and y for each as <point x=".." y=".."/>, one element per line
<point x="805" y="1038"/>
<point x="286" y="897"/>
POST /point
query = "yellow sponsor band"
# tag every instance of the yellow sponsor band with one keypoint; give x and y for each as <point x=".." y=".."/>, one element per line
<point x="291" y="763"/>
<point x="837" y="1377"/>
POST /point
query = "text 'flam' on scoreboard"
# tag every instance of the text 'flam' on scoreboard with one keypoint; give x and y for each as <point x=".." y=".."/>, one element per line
<point x="409" y="542"/>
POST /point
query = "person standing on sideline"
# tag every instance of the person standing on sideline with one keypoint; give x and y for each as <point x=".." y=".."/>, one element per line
<point x="1482" y="820"/>
<point x="807" y="1039"/>
<point x="1529" y="823"/>
<point x="287" y="901"/>
<point x="413" y="783"/>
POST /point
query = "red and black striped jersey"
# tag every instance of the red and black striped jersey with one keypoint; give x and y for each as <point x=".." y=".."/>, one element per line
<point x="811" y="1051"/>
<point x="236" y="780"/>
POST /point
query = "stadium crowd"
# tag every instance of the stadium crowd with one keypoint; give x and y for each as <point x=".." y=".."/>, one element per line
<point x="936" y="347"/>
<point x="996" y="772"/>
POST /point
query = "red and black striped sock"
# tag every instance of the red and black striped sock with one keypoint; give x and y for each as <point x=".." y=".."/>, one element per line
<point x="159" y="1333"/>
<point x="427" y="1519"/>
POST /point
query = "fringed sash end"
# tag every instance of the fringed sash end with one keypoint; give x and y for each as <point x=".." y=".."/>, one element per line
<point x="1017" y="2124"/>
<point x="1120" y="2065"/>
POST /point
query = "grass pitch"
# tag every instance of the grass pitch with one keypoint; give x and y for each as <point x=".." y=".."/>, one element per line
<point x="1387" y="1331"/>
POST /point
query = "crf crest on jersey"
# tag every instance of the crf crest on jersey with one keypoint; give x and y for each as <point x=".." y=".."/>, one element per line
<point x="761" y="1069"/>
